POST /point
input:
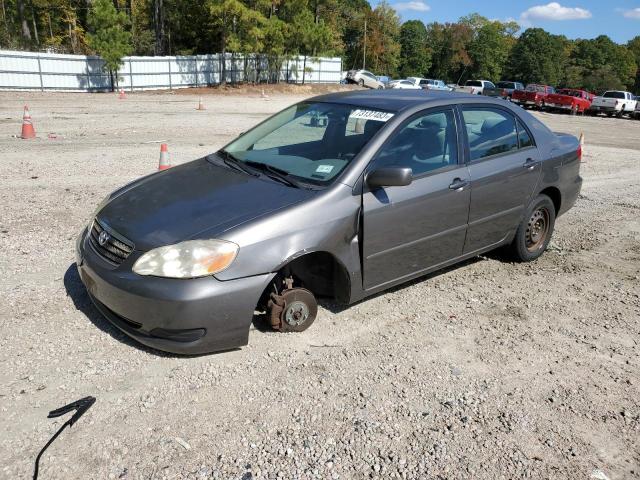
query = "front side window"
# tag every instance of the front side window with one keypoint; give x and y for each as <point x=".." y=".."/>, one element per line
<point x="490" y="132"/>
<point x="425" y="143"/>
<point x="311" y="142"/>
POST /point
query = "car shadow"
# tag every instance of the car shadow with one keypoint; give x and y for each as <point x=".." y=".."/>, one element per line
<point x="335" y="307"/>
<point x="78" y="294"/>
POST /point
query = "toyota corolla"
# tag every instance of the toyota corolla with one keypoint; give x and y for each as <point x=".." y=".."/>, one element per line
<point x="342" y="196"/>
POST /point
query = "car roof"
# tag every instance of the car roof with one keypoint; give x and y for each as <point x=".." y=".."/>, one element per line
<point x="393" y="100"/>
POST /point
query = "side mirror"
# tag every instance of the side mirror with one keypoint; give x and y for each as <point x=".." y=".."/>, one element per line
<point x="390" y="177"/>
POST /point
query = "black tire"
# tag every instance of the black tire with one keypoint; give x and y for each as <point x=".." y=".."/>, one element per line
<point x="361" y="82"/>
<point x="535" y="231"/>
<point x="300" y="310"/>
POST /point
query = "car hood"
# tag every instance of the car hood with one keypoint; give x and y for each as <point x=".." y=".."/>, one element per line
<point x="195" y="200"/>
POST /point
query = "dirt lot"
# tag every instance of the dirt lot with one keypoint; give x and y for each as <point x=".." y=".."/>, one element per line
<point x="488" y="370"/>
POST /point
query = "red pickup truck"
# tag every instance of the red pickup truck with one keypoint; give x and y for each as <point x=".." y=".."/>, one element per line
<point x="533" y="96"/>
<point x="569" y="99"/>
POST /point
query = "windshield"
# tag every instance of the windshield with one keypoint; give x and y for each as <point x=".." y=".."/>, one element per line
<point x="311" y="142"/>
<point x="614" y="95"/>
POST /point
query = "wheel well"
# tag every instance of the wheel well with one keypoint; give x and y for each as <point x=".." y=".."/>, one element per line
<point x="554" y="194"/>
<point x="319" y="272"/>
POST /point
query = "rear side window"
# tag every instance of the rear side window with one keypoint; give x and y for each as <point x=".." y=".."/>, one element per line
<point x="424" y="143"/>
<point x="524" y="138"/>
<point x="490" y="132"/>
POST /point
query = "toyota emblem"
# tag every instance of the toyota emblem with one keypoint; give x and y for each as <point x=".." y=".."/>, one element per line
<point x="103" y="238"/>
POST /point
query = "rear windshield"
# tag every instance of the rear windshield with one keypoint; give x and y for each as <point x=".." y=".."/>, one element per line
<point x="312" y="142"/>
<point x="570" y="93"/>
<point x="506" y="85"/>
<point x="613" y="95"/>
<point x="535" y="88"/>
<point x="473" y="83"/>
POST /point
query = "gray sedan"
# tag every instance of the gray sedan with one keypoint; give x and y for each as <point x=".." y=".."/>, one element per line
<point x="341" y="196"/>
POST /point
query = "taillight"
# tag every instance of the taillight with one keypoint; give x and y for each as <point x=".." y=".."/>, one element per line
<point x="579" y="153"/>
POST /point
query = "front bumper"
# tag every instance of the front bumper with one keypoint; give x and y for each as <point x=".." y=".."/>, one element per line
<point x="193" y="316"/>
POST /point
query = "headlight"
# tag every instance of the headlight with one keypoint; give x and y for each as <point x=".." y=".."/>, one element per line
<point x="190" y="259"/>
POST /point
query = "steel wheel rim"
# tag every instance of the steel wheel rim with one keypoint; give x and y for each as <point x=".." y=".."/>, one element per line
<point x="537" y="229"/>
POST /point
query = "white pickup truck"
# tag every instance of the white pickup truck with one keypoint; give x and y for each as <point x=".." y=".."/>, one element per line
<point x="614" y="102"/>
<point x="475" y="87"/>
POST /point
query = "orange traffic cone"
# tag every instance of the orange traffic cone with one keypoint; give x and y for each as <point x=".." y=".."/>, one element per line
<point x="163" y="164"/>
<point x="121" y="95"/>
<point x="200" y="104"/>
<point x="27" y="125"/>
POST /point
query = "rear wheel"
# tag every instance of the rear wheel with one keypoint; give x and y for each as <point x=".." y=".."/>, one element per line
<point x="535" y="231"/>
<point x="361" y="82"/>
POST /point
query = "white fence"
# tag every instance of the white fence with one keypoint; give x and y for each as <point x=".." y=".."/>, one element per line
<point x="50" y="71"/>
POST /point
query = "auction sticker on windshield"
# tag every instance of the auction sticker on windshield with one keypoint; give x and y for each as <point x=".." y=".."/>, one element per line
<point x="371" y="115"/>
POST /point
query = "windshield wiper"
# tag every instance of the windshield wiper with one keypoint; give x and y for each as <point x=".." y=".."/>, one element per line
<point x="275" y="172"/>
<point x="235" y="163"/>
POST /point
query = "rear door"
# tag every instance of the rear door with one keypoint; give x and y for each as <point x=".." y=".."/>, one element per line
<point x="407" y="230"/>
<point x="504" y="167"/>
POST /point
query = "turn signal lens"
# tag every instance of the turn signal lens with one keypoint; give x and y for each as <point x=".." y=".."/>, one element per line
<point x="190" y="259"/>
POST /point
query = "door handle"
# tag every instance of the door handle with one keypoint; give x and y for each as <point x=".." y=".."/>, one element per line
<point x="458" y="184"/>
<point x="530" y="164"/>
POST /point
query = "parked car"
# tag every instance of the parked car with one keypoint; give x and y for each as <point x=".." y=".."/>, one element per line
<point x="503" y="89"/>
<point x="403" y="84"/>
<point x="533" y="96"/>
<point x="569" y="99"/>
<point x="614" y="102"/>
<point x="636" y="112"/>
<point x="436" y="85"/>
<point x="364" y="78"/>
<point x="394" y="186"/>
<point x="475" y="87"/>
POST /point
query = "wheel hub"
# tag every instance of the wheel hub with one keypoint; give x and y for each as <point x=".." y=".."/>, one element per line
<point x="296" y="313"/>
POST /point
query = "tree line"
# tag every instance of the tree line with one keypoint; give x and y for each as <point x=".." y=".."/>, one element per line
<point x="375" y="38"/>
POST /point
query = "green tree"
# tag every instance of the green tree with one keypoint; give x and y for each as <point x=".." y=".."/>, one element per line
<point x="109" y="38"/>
<point x="538" y="57"/>
<point x="383" y="40"/>
<point x="415" y="57"/>
<point x="490" y="49"/>
<point x="449" y="44"/>
<point x="634" y="47"/>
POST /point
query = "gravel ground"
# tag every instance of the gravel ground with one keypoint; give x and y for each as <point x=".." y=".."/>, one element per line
<point x="487" y="370"/>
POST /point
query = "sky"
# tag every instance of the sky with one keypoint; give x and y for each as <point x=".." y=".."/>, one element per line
<point x="619" y="19"/>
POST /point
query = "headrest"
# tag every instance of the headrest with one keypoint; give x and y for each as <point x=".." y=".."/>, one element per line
<point x="371" y="127"/>
<point x="437" y="121"/>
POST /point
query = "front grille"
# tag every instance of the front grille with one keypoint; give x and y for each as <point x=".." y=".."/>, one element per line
<point x="114" y="250"/>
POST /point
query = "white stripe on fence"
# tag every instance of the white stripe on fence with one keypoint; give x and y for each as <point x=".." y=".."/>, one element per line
<point x="52" y="71"/>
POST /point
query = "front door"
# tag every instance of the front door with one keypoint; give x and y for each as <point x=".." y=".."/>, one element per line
<point x="410" y="229"/>
<point x="504" y="166"/>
